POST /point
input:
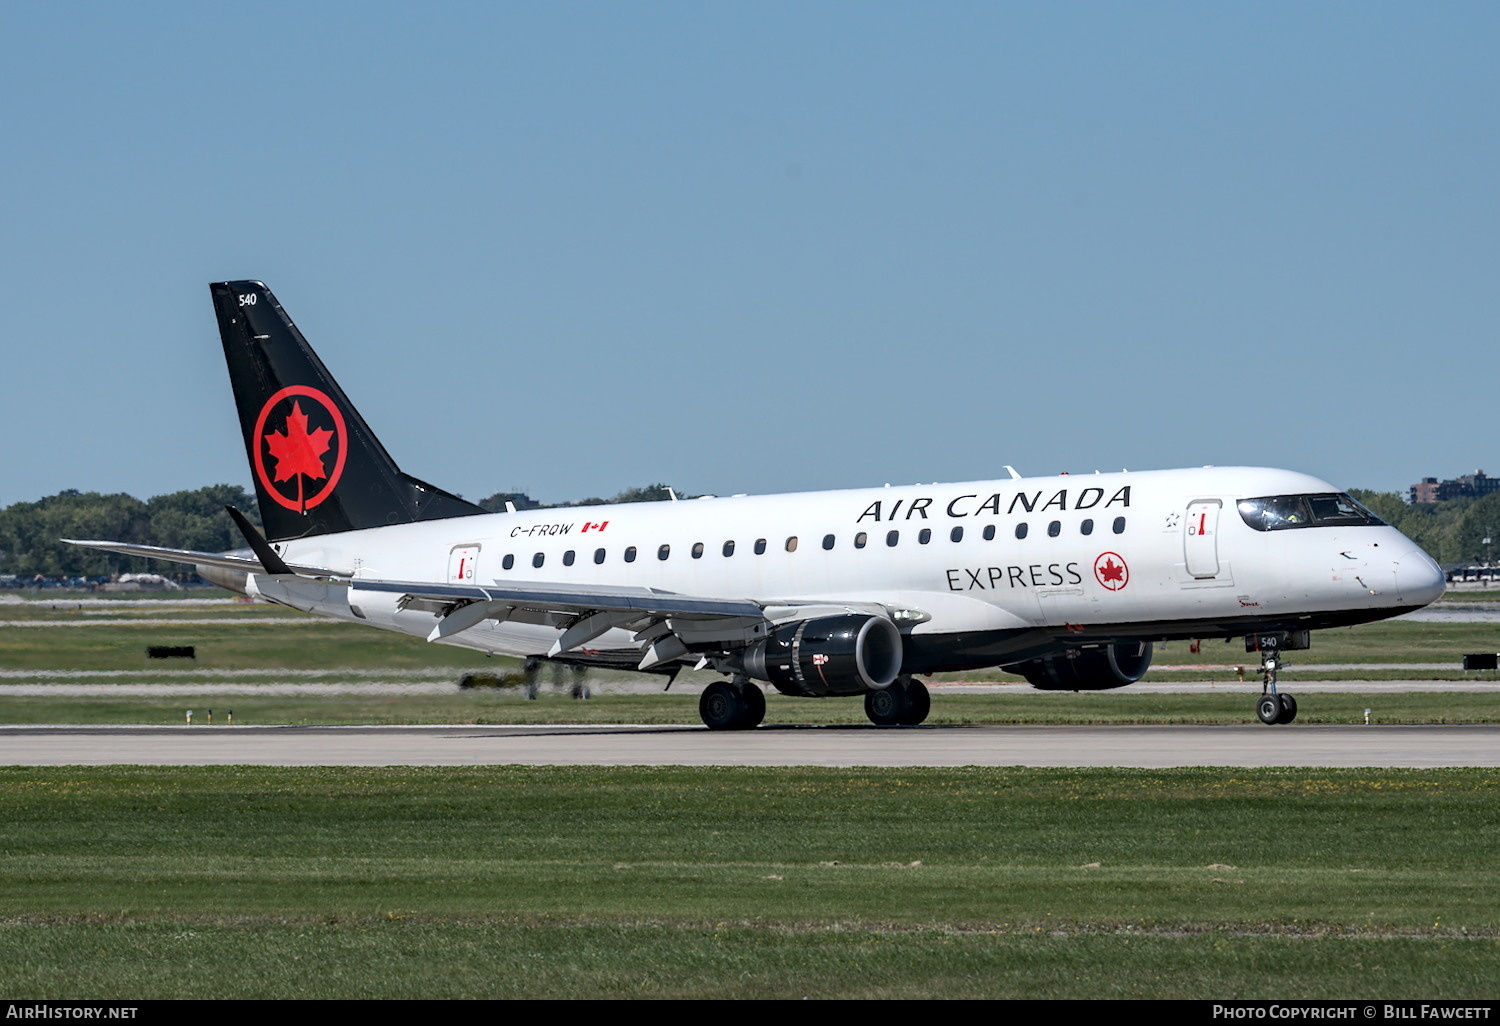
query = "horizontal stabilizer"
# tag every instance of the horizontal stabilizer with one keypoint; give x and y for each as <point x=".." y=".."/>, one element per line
<point x="224" y="560"/>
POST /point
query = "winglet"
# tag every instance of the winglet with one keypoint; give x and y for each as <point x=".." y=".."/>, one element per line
<point x="258" y="544"/>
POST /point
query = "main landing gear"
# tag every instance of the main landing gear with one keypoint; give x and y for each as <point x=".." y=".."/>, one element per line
<point x="1272" y="707"/>
<point x="905" y="702"/>
<point x="741" y="705"/>
<point x="732" y="705"/>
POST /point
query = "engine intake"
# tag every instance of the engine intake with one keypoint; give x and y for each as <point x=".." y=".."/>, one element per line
<point x="1089" y="669"/>
<point x="831" y="655"/>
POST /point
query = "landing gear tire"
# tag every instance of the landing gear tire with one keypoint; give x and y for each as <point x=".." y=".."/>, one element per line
<point x="1269" y="709"/>
<point x="1288" y="709"/>
<point x="755" y="706"/>
<point x="918" y="703"/>
<point x="906" y="702"/>
<point x="723" y="706"/>
<point x="720" y="706"/>
<point x="886" y="706"/>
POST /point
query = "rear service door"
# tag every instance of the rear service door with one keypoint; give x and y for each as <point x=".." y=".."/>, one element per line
<point x="461" y="564"/>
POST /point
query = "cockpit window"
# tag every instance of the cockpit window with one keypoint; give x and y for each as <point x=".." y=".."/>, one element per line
<point x="1285" y="512"/>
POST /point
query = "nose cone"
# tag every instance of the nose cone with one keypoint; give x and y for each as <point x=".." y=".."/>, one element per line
<point x="1418" y="579"/>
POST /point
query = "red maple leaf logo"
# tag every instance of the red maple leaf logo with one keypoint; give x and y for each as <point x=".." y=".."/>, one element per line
<point x="1110" y="571"/>
<point x="299" y="451"/>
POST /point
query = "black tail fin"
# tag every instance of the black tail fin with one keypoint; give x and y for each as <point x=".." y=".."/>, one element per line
<point x="318" y="468"/>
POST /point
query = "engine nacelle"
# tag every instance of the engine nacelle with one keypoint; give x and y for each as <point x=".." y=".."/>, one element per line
<point x="1088" y="669"/>
<point x="831" y="655"/>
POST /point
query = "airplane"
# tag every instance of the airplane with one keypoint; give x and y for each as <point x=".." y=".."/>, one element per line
<point x="1065" y="580"/>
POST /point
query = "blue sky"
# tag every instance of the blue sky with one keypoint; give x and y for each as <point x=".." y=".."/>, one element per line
<point x="750" y="247"/>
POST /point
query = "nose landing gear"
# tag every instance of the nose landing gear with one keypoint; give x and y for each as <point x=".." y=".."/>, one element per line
<point x="1273" y="707"/>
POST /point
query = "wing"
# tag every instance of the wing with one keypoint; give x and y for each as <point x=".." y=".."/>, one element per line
<point x="667" y="625"/>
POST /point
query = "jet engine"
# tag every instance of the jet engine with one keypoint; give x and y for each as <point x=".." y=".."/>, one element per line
<point x="1088" y="669"/>
<point x="831" y="655"/>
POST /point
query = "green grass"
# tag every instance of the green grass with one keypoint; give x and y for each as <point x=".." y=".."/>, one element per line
<point x="561" y="882"/>
<point x="248" y="641"/>
<point x="571" y="882"/>
<point x="1387" y="642"/>
<point x="681" y="707"/>
<point x="245" y="643"/>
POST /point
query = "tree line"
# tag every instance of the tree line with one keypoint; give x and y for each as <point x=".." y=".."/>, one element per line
<point x="1453" y="531"/>
<point x="31" y="532"/>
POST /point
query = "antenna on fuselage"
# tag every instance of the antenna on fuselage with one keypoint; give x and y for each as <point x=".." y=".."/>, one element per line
<point x="1012" y="472"/>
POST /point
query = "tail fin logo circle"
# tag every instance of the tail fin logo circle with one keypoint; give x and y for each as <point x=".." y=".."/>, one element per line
<point x="302" y="432"/>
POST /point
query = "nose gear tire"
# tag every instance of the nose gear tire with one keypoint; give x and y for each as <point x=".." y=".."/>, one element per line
<point x="1269" y="709"/>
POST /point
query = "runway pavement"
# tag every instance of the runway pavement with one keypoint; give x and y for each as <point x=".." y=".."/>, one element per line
<point x="1131" y="746"/>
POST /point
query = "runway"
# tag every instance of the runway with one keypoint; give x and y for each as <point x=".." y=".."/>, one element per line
<point x="1148" y="747"/>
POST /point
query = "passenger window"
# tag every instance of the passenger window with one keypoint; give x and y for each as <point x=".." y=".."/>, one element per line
<point x="1087" y="527"/>
<point x="729" y="548"/>
<point x="924" y="536"/>
<point x="1021" y="530"/>
<point x="1054" y="529"/>
<point x="598" y="555"/>
<point x="861" y="540"/>
<point x="791" y="544"/>
<point x="630" y="554"/>
<point x="828" y="541"/>
<point x="509" y="560"/>
<point x="989" y="532"/>
<point x="760" y="546"/>
<point x="957" y="534"/>
<point x="697" y="550"/>
<point x="664" y="552"/>
<point x="892" y="537"/>
<point x="538" y="559"/>
<point x="1119" y="525"/>
<point x="568" y="558"/>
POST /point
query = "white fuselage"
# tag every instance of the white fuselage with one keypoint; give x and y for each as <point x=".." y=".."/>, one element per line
<point x="1153" y="554"/>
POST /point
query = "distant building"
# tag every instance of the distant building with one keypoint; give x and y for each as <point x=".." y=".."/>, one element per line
<point x="1471" y="486"/>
